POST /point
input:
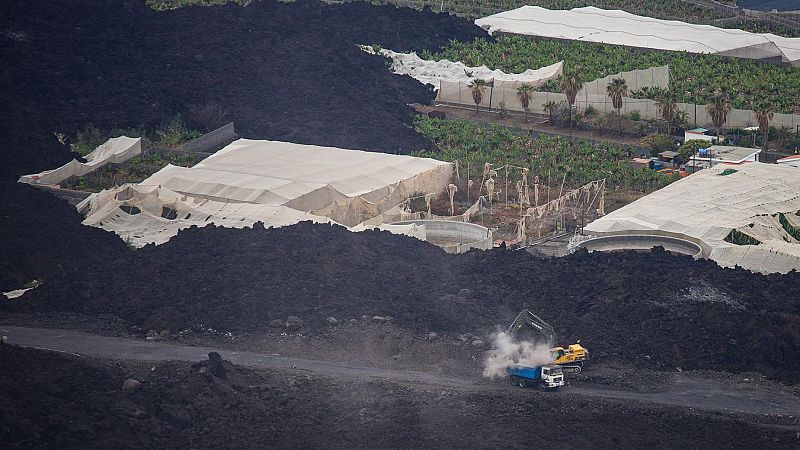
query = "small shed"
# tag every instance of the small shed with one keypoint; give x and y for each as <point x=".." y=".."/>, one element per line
<point x="668" y="156"/>
<point x="698" y="133"/>
<point x="640" y="163"/>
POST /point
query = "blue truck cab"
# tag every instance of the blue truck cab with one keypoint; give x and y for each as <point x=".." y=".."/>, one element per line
<point x="545" y="377"/>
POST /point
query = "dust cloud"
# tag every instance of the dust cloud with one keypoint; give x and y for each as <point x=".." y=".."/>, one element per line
<point x="507" y="352"/>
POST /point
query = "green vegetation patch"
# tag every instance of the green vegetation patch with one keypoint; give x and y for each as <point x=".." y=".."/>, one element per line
<point x="792" y="231"/>
<point x="728" y="172"/>
<point x="162" y="5"/>
<point x="473" y="144"/>
<point x="739" y="238"/>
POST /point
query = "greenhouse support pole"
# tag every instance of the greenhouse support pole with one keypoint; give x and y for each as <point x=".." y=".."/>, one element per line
<point x="467" y="181"/>
<point x="491" y="94"/>
<point x="506" y="185"/>
<point x="548" y="185"/>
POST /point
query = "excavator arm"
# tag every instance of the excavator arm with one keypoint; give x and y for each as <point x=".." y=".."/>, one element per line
<point x="529" y="326"/>
<point x="528" y="322"/>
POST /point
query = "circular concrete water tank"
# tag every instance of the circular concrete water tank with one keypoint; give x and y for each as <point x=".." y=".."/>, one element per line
<point x="452" y="236"/>
<point x="642" y="242"/>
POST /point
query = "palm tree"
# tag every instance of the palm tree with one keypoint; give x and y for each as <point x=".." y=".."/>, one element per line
<point x="477" y="87"/>
<point x="617" y="89"/>
<point x="681" y="120"/>
<point x="524" y="93"/>
<point x="719" y="108"/>
<point x="570" y="84"/>
<point x="764" y="114"/>
<point x="550" y="109"/>
<point x="668" y="108"/>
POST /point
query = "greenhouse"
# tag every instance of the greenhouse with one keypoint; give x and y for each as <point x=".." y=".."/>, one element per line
<point x="437" y="72"/>
<point x="276" y="183"/>
<point x="617" y="27"/>
<point x="745" y="215"/>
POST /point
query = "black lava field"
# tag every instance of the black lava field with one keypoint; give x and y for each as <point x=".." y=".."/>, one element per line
<point x="627" y="305"/>
<point x="147" y="65"/>
<point x="293" y="72"/>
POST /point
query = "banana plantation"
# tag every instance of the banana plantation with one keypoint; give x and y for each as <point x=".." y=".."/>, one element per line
<point x="576" y="162"/>
<point x="693" y="78"/>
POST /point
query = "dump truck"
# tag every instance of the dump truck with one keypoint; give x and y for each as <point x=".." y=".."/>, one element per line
<point x="571" y="359"/>
<point x="548" y="377"/>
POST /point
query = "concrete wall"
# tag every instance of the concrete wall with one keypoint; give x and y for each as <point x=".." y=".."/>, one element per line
<point x="460" y="94"/>
<point x="72" y="197"/>
<point x="212" y="140"/>
<point x="705" y="249"/>
<point x="642" y="242"/>
<point x="454" y="237"/>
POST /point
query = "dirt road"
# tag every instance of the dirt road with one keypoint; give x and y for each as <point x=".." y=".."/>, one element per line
<point x="687" y="390"/>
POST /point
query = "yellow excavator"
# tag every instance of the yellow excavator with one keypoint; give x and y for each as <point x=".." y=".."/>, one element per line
<point x="571" y="359"/>
<point x="573" y="354"/>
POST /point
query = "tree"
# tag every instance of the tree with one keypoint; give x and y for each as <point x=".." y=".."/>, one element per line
<point x="719" y="108"/>
<point x="524" y="93"/>
<point x="570" y="84"/>
<point x="764" y="114"/>
<point x="477" y="87"/>
<point x="681" y="120"/>
<point x="691" y="147"/>
<point x="617" y="89"/>
<point x="668" y="108"/>
<point x="550" y="109"/>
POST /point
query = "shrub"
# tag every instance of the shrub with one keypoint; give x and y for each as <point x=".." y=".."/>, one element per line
<point x="176" y="133"/>
<point x="634" y="115"/>
<point x="502" y="111"/>
<point x="658" y="143"/>
<point x="87" y="140"/>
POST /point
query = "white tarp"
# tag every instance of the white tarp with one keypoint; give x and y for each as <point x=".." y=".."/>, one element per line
<point x="434" y="72"/>
<point x="617" y="27"/>
<point x="115" y="150"/>
<point x="707" y="205"/>
<point x="277" y="183"/>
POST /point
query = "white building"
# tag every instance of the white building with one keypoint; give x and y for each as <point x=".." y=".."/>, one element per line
<point x="697" y="133"/>
<point x="793" y="161"/>
<point x="722" y="154"/>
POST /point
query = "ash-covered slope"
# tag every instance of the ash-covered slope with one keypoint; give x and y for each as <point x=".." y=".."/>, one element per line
<point x="655" y="306"/>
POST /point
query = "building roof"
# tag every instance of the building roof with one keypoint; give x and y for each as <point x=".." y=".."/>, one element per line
<point x="700" y="130"/>
<point x="617" y="27"/>
<point x="668" y="154"/>
<point x="706" y="206"/>
<point x="729" y="154"/>
<point x="789" y="158"/>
